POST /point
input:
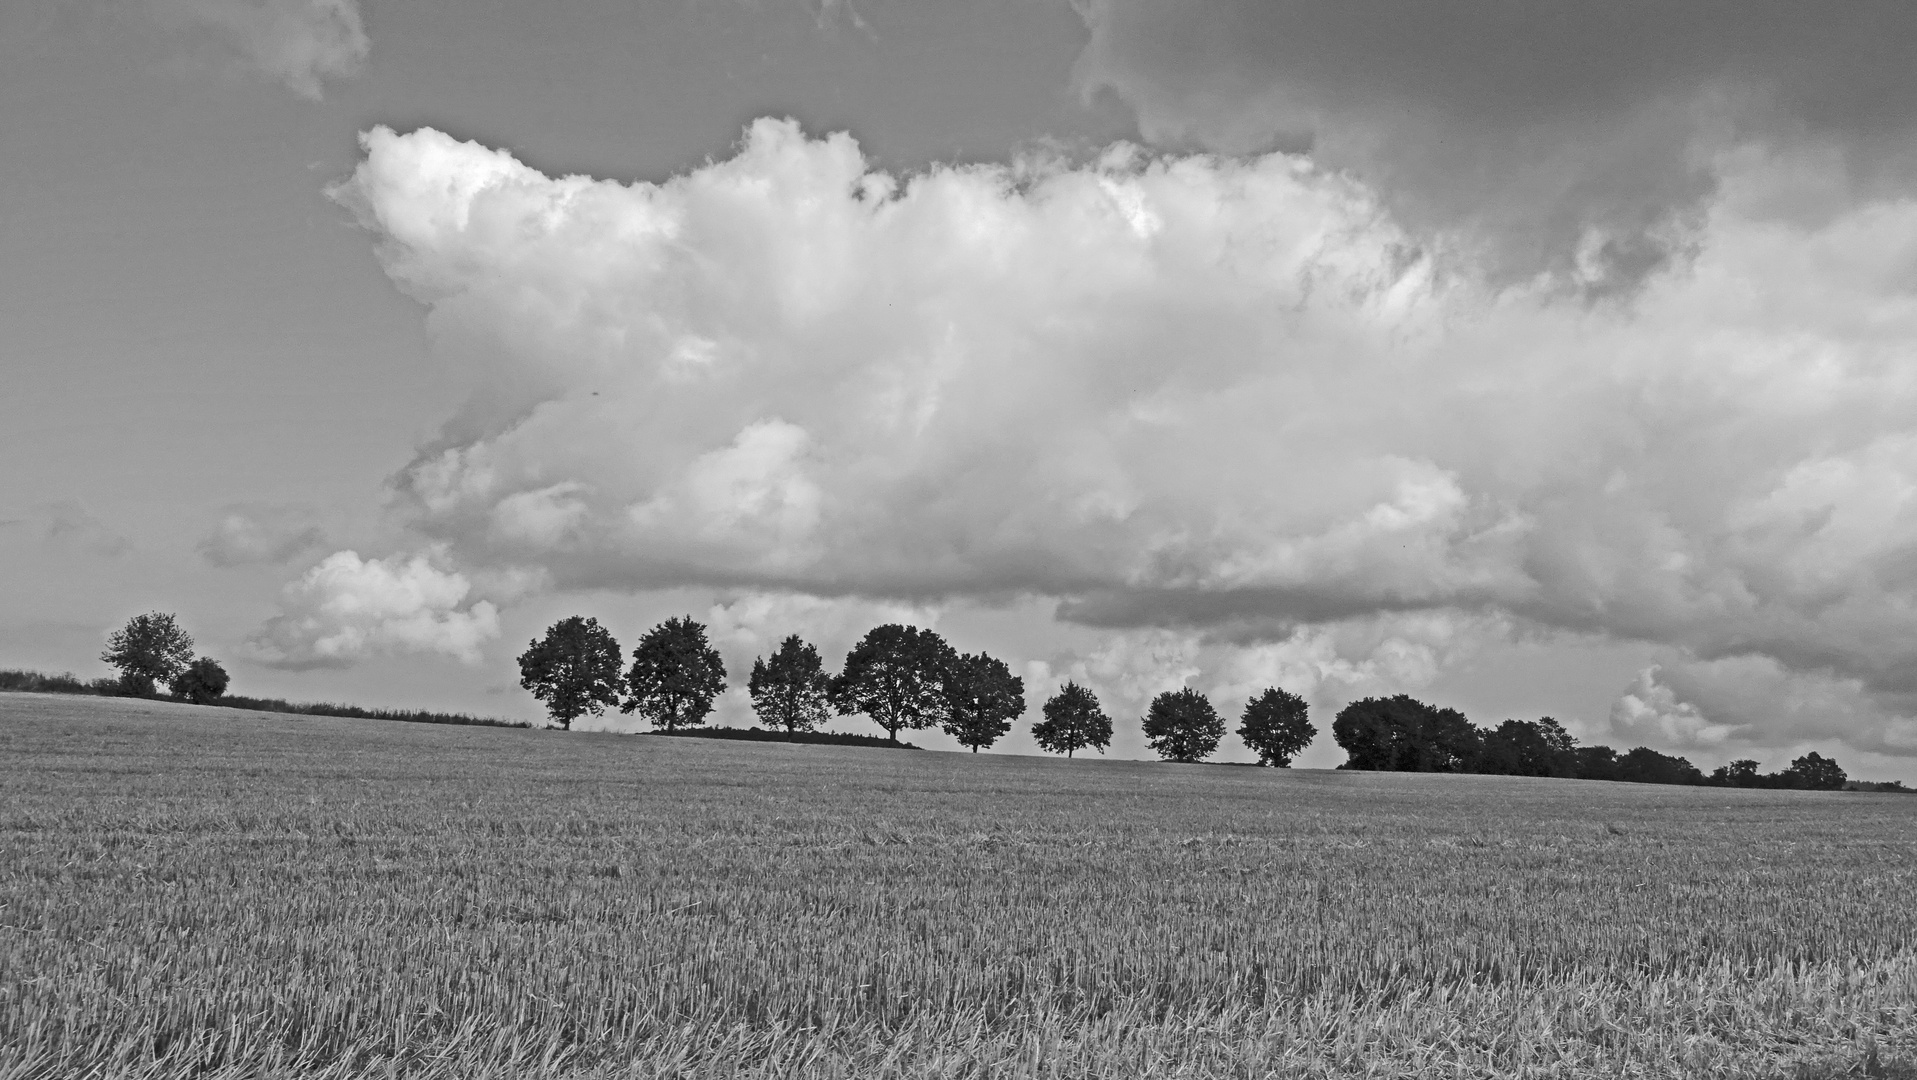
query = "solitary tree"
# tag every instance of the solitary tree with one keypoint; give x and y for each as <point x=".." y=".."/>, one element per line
<point x="574" y="669"/>
<point x="675" y="675"/>
<point x="1182" y="726"/>
<point x="790" y="691"/>
<point x="1275" y="727"/>
<point x="202" y="682"/>
<point x="150" y="648"/>
<point x="896" y="676"/>
<point x="1073" y="721"/>
<point x="982" y="698"/>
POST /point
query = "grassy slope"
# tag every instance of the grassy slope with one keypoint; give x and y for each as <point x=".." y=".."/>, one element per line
<point x="252" y="889"/>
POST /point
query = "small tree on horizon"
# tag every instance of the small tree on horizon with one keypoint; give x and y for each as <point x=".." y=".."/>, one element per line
<point x="1275" y="726"/>
<point x="202" y="683"/>
<point x="675" y="675"/>
<point x="1182" y="726"/>
<point x="789" y="691"/>
<point x="574" y="669"/>
<point x="149" y="649"/>
<point x="1073" y="721"/>
<point x="896" y="676"/>
<point x="982" y="698"/>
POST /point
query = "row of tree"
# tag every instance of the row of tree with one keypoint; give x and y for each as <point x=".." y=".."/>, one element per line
<point x="1403" y="734"/>
<point x="901" y="677"/>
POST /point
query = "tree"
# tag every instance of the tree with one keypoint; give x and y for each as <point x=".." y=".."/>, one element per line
<point x="150" y="648"/>
<point x="1814" y="772"/>
<point x="202" y="682"/>
<point x="1643" y="765"/>
<point x="790" y="691"/>
<point x="1181" y="725"/>
<point x="574" y="669"/>
<point x="1527" y="748"/>
<point x="896" y="676"/>
<point x="1275" y="726"/>
<point x="982" y="698"/>
<point x="1740" y="773"/>
<point x="675" y="675"/>
<point x="1403" y="734"/>
<point x="1073" y="721"/>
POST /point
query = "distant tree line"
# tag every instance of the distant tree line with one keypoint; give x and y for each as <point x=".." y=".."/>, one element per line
<point x="902" y="678"/>
<point x="1403" y="734"/>
<point x="153" y="650"/>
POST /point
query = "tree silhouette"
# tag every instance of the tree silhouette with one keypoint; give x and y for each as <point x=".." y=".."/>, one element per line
<point x="1402" y="734"/>
<point x="150" y="648"/>
<point x="1181" y="725"/>
<point x="1275" y="726"/>
<point x="574" y="669"/>
<point x="896" y="676"/>
<point x="1814" y="772"/>
<point x="789" y="691"/>
<point x="1073" y="721"/>
<point x="202" y="682"/>
<point x="982" y="698"/>
<point x="675" y="675"/>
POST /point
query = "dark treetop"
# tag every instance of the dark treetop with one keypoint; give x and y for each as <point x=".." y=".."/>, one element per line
<point x="574" y="669"/>
<point x="675" y="675"/>
<point x="1181" y="725"/>
<point x="896" y="676"/>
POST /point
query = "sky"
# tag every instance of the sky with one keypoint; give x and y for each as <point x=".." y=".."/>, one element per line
<point x="1529" y="359"/>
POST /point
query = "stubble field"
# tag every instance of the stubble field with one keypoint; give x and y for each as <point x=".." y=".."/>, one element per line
<point x="204" y="892"/>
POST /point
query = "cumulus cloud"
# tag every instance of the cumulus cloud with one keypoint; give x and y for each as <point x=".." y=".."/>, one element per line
<point x="1229" y="397"/>
<point x="1571" y="138"/>
<point x="248" y="534"/>
<point x="346" y="609"/>
<point x="297" y="42"/>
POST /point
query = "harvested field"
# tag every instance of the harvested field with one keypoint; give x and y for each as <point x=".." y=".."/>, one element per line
<point x="205" y="892"/>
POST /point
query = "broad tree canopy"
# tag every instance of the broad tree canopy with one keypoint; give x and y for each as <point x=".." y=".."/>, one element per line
<point x="1073" y="721"/>
<point x="896" y="676"/>
<point x="1181" y="725"/>
<point x="982" y="698"/>
<point x="789" y="691"/>
<point x="675" y="675"/>
<point x="149" y="649"/>
<point x="574" y="669"/>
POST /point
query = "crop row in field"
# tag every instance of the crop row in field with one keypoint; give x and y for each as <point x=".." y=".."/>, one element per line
<point x="191" y="890"/>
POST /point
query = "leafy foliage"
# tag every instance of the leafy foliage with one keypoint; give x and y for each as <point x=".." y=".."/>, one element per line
<point x="574" y="669"/>
<point x="1403" y="734"/>
<point x="896" y="676"/>
<point x="790" y="690"/>
<point x="982" y="698"/>
<point x="1181" y="725"/>
<point x="1812" y="772"/>
<point x="1276" y="727"/>
<point x="675" y="675"/>
<point x="1073" y="721"/>
<point x="149" y="649"/>
<point x="202" y="683"/>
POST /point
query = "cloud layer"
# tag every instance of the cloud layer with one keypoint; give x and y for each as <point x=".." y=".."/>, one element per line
<point x="346" y="609"/>
<point x="296" y="42"/>
<point x="1224" y="395"/>
<point x="1578" y="139"/>
<point x="249" y="534"/>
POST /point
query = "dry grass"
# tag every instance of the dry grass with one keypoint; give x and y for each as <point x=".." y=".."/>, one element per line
<point x="202" y="892"/>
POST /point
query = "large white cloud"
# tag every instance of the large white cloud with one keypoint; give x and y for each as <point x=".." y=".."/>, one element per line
<point x="1217" y="395"/>
<point x="346" y="609"/>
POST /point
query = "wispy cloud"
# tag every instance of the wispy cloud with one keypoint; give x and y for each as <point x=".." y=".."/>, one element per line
<point x="297" y="42"/>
